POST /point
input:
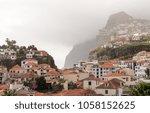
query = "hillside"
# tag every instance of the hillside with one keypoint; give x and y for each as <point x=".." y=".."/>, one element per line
<point x="124" y="52"/>
<point x="20" y="53"/>
<point x="118" y="24"/>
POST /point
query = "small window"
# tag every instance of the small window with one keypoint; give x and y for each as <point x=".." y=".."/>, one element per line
<point x="90" y="83"/>
<point x="106" y="91"/>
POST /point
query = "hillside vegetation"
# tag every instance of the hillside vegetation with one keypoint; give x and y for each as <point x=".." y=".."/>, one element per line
<point x="124" y="52"/>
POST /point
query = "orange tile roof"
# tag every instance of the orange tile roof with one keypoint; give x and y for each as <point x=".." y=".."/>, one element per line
<point x="107" y="65"/>
<point x="4" y="86"/>
<point x="115" y="75"/>
<point x="111" y="84"/>
<point x="32" y="64"/>
<point x="73" y="92"/>
<point x="17" y="67"/>
<point x="44" y="65"/>
<point x="54" y="73"/>
<point x="142" y="61"/>
<point x="4" y="71"/>
<point x="67" y="72"/>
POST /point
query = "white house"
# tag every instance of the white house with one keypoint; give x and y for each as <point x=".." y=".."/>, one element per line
<point x="113" y="87"/>
<point x="143" y="55"/>
<point x="29" y="54"/>
<point x="27" y="61"/>
<point x="123" y="77"/>
<point x="141" y="67"/>
<point x="127" y="64"/>
<point x="104" y="69"/>
<point x="17" y="69"/>
<point x="8" y="54"/>
<point x="91" y="82"/>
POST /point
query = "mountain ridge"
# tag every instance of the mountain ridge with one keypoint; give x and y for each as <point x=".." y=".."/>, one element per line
<point x="114" y="26"/>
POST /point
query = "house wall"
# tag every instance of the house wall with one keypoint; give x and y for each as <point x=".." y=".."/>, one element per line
<point x="71" y="77"/>
<point x="123" y="78"/>
<point x="112" y="92"/>
<point x="93" y="85"/>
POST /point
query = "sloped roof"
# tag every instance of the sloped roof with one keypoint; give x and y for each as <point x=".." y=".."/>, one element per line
<point x="17" y="67"/>
<point x="115" y="75"/>
<point x="111" y="84"/>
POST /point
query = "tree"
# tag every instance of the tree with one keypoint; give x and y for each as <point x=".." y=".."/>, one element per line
<point x="8" y="92"/>
<point x="41" y="83"/>
<point x="72" y="85"/>
<point x="141" y="89"/>
<point x="56" y="87"/>
<point x="11" y="43"/>
<point x="32" y="47"/>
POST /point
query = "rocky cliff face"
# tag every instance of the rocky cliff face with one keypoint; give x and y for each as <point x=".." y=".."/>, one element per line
<point x="80" y="52"/>
<point x="118" y="18"/>
<point x="118" y="24"/>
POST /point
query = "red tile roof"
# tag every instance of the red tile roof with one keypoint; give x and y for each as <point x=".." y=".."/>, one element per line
<point x="17" y="67"/>
<point x="115" y="75"/>
<point x="4" y="86"/>
<point x="73" y="92"/>
<point x="111" y="84"/>
<point x="107" y="65"/>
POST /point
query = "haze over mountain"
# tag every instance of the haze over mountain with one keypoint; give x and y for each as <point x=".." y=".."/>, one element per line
<point x="118" y="23"/>
<point x="57" y="25"/>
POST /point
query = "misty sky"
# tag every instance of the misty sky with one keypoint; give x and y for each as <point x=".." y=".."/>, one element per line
<point x="56" y="25"/>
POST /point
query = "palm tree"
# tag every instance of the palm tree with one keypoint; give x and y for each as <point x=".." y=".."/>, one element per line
<point x="141" y="89"/>
<point x="8" y="92"/>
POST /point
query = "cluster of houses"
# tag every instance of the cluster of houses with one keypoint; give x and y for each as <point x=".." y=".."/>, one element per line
<point x="30" y="68"/>
<point x="113" y="77"/>
<point x="117" y="41"/>
<point x="8" y="54"/>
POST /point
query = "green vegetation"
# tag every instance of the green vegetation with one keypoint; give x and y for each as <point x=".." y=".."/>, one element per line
<point x="41" y="84"/>
<point x="8" y="92"/>
<point x="56" y="87"/>
<point x="142" y="89"/>
<point x="124" y="52"/>
<point x="72" y="85"/>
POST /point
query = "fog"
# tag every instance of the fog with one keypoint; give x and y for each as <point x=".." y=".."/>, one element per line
<point x="57" y="25"/>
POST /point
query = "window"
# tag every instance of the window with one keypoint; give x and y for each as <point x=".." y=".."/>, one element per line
<point x="106" y="91"/>
<point x="97" y="76"/>
<point x="90" y="83"/>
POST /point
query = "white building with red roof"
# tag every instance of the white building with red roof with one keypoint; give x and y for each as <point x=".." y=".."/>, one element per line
<point x="143" y="55"/>
<point x="31" y="53"/>
<point x="92" y="82"/>
<point x="17" y="69"/>
<point x="113" y="87"/>
<point x="104" y="69"/>
<point x="25" y="62"/>
<point x="123" y="77"/>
